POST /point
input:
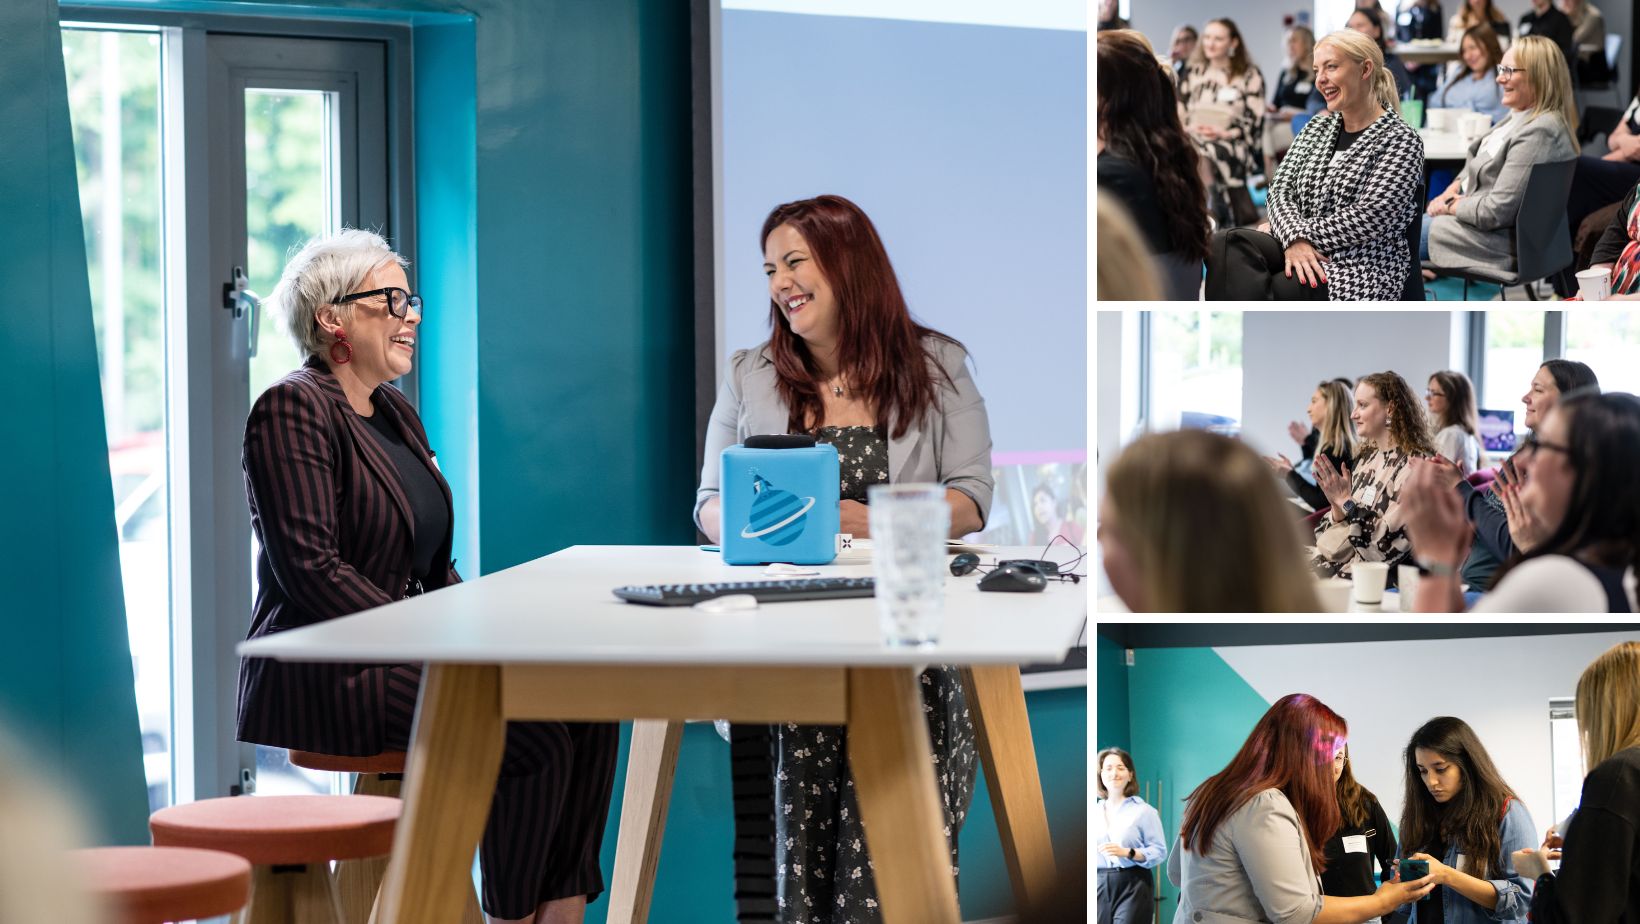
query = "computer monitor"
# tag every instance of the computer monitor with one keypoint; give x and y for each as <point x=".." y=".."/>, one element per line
<point x="1498" y="430"/>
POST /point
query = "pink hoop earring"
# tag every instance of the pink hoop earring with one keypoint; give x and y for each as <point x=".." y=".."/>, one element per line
<point x="341" y="344"/>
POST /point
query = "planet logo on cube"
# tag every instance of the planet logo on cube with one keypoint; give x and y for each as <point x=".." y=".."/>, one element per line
<point x="777" y="516"/>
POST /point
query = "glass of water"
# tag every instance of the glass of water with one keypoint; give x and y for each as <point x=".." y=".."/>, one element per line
<point x="909" y="525"/>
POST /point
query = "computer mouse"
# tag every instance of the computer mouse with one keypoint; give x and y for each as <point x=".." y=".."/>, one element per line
<point x="1014" y="579"/>
<point x="964" y="564"/>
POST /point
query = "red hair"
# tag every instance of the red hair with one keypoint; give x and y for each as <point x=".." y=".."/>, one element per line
<point x="1290" y="749"/>
<point x="877" y="341"/>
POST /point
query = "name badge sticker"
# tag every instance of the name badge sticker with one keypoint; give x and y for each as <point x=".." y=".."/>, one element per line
<point x="1304" y="87"/>
<point x="1369" y="494"/>
<point x="1355" y="843"/>
<point x="1229" y="95"/>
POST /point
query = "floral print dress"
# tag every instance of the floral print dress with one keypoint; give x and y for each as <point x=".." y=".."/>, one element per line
<point x="823" y="872"/>
<point x="1377" y="530"/>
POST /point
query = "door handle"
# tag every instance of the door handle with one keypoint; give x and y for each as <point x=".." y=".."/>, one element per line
<point x="238" y="298"/>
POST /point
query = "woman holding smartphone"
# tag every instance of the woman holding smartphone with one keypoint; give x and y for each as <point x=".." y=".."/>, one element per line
<point x="1599" y="878"/>
<point x="1458" y="806"/>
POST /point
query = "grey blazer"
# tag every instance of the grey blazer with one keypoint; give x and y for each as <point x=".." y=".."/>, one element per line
<point x="949" y="446"/>
<point x="1479" y="235"/>
<point x="1256" y="870"/>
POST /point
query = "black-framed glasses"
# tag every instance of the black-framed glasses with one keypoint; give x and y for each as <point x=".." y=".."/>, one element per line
<point x="1533" y="443"/>
<point x="1505" y="72"/>
<point x="399" y="302"/>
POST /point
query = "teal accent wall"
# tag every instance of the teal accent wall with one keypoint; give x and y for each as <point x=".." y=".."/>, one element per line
<point x="1189" y="714"/>
<point x="1111" y="728"/>
<point x="65" y="667"/>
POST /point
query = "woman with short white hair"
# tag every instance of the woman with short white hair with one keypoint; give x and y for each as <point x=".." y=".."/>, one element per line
<point x="350" y="512"/>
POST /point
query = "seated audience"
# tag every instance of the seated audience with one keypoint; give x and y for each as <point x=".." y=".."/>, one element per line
<point x="1459" y="816"/>
<point x="1370" y="23"/>
<point x="1576" y="519"/>
<point x="1252" y="843"/>
<point x="1600" y="182"/>
<point x="1419" y="19"/>
<point x="1474" y="84"/>
<point x="1478" y="13"/>
<point x="1365" y="520"/>
<point x="1293" y="89"/>
<point x="1165" y="484"/>
<point x="1472" y="223"/>
<point x="1543" y="19"/>
<point x="1599" y="877"/>
<point x="1588" y="30"/>
<point x="1451" y="401"/>
<point x="1618" y="251"/>
<point x="1147" y="163"/>
<point x="1222" y="105"/>
<point x="1331" y="435"/>
<point x="1182" y="46"/>
<point x="1341" y="204"/>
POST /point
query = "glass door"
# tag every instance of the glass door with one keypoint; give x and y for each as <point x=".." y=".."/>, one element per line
<point x="301" y="150"/>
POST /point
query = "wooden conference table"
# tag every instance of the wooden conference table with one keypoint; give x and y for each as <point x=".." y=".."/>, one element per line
<point x="547" y="640"/>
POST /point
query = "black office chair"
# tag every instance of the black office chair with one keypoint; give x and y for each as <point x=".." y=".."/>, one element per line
<point x="1413" y="290"/>
<point x="1543" y="246"/>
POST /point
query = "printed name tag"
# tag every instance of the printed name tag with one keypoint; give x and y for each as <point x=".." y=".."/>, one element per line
<point x="1355" y="843"/>
<point x="1525" y="27"/>
<point x="1303" y="86"/>
<point x="1227" y="95"/>
<point x="1369" y="494"/>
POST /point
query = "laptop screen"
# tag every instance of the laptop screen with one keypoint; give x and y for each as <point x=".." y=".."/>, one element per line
<point x="1497" y="430"/>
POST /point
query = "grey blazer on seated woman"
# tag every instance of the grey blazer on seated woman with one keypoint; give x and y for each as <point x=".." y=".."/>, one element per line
<point x="1480" y="234"/>
<point x="1256" y="870"/>
<point x="950" y="446"/>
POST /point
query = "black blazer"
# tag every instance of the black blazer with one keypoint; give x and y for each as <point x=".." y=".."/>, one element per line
<point x="335" y="530"/>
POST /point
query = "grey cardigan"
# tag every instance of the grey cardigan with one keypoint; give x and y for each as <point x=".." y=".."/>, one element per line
<point x="1480" y="234"/>
<point x="950" y="446"/>
<point x="1256" y="870"/>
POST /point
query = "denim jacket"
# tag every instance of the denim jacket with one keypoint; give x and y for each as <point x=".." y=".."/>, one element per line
<point x="1514" y="890"/>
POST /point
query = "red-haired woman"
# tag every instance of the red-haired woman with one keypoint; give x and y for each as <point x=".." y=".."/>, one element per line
<point x="846" y="363"/>
<point x="1253" y="837"/>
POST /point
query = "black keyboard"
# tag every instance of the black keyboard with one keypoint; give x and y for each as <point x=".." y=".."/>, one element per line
<point x="814" y="588"/>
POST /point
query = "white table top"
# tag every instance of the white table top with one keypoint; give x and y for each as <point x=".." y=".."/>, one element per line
<point x="1443" y="145"/>
<point x="1426" y="53"/>
<point x="560" y="610"/>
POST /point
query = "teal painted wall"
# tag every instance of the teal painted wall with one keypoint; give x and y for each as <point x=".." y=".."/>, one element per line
<point x="65" y="667"/>
<point x="1111" y="728"/>
<point x="1189" y="714"/>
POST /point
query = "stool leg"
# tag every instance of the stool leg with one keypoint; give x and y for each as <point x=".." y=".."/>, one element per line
<point x="314" y="899"/>
<point x="270" y="898"/>
<point x="359" y="881"/>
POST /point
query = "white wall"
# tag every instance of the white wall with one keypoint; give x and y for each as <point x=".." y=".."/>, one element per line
<point x="1385" y="690"/>
<point x="1285" y="353"/>
<point x="1117" y="395"/>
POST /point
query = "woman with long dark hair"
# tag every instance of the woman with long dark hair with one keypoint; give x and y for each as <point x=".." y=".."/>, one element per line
<point x="846" y="363"/>
<point x="1456" y="804"/>
<point x="1363" y="836"/>
<point x="1576" y="518"/>
<point x="1147" y="162"/>
<point x="1599" y="877"/>
<point x="1252" y="842"/>
<point x="1474" y="85"/>
<point x="1365" y="520"/>
<point x="1450" y="398"/>
<point x="1221" y="96"/>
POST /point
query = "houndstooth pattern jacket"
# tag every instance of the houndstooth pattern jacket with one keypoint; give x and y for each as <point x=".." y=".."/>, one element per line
<point x="1355" y="212"/>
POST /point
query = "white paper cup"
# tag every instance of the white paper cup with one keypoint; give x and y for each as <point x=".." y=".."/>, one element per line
<point x="1370" y="577"/>
<point x="1472" y="125"/>
<point x="1406" y="577"/>
<point x="1442" y="120"/>
<point x="1594" y="285"/>
<point x="1334" y="594"/>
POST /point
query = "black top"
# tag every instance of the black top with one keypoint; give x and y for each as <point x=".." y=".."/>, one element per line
<point x="1554" y="26"/>
<point x="1345" y="139"/>
<point x="1306" y="490"/>
<point x="1432" y="908"/>
<point x="1117" y="23"/>
<point x="1611" y="580"/>
<point x="1133" y="186"/>
<point x="1293" y="89"/>
<point x="1599" y="878"/>
<point x="1616" y="235"/>
<point x="1350" y="872"/>
<point x="431" y="518"/>
<point x="1420" y="22"/>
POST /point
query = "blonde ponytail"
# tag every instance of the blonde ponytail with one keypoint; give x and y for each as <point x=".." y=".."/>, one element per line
<point x="1383" y="86"/>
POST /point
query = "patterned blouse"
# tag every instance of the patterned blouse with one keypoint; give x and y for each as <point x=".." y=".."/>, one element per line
<point x="1355" y="205"/>
<point x="1376" y="531"/>
<point x="1235" y="154"/>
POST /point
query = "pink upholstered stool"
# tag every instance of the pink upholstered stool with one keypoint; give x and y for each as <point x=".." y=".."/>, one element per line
<point x="290" y="841"/>
<point x="153" y="885"/>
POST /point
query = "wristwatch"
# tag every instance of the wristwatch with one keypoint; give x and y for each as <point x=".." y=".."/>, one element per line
<point x="1349" y="509"/>
<point x="1131" y="854"/>
<point x="1440" y="569"/>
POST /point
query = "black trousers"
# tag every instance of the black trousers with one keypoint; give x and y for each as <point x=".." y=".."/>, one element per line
<point x="1244" y="264"/>
<point x="1125" y="896"/>
<point x="546" y="824"/>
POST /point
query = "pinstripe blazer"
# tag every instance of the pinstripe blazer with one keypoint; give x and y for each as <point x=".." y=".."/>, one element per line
<point x="335" y="534"/>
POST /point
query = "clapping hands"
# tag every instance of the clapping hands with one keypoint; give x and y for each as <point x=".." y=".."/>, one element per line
<point x="1333" y="482"/>
<point x="1436" y="524"/>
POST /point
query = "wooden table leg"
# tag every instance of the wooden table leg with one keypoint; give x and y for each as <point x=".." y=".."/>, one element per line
<point x="651" y="764"/>
<point x="1003" y="730"/>
<point x="899" y="803"/>
<point x="449" y="781"/>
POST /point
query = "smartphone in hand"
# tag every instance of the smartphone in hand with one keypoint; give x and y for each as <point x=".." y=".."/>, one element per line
<point x="1413" y="869"/>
